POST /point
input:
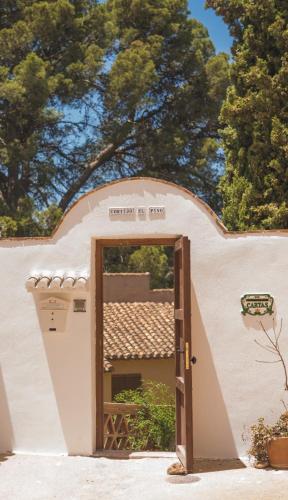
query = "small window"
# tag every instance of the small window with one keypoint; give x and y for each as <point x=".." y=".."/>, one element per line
<point x="124" y="381"/>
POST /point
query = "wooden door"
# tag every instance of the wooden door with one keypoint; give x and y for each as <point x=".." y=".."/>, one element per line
<point x="99" y="346"/>
<point x="184" y="428"/>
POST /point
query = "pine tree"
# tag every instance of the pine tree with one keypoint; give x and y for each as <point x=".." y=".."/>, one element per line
<point x="92" y="91"/>
<point x="255" y="115"/>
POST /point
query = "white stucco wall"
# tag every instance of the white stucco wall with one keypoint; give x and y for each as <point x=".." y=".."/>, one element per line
<point x="47" y="379"/>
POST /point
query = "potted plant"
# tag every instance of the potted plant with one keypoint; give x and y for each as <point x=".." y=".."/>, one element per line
<point x="269" y="443"/>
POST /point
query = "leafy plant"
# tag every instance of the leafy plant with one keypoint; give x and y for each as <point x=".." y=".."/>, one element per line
<point x="261" y="432"/>
<point x="153" y="427"/>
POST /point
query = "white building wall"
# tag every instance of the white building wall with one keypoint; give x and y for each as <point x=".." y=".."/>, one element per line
<point x="47" y="393"/>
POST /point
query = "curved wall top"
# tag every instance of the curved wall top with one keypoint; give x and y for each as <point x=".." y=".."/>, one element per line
<point x="84" y="204"/>
<point x="89" y="201"/>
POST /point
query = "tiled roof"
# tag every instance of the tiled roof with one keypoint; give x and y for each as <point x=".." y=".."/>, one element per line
<point x="138" y="330"/>
<point x="56" y="282"/>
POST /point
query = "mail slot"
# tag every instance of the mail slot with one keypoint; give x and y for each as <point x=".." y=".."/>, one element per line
<point x="53" y="313"/>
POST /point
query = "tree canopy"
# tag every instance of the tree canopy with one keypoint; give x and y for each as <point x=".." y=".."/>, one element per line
<point x="255" y="115"/>
<point x="154" y="260"/>
<point x="91" y="91"/>
<point x="157" y="260"/>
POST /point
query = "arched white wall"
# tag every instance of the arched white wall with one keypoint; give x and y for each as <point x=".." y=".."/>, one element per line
<point x="47" y="380"/>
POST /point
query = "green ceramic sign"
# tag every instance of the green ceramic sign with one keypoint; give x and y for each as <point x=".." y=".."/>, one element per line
<point x="257" y="304"/>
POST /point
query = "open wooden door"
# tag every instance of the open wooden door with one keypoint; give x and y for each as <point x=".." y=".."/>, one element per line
<point x="184" y="426"/>
<point x="99" y="346"/>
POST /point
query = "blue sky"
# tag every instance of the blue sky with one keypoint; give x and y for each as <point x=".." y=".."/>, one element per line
<point x="216" y="27"/>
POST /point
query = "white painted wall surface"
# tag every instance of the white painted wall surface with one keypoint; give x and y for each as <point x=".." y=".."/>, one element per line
<point x="47" y="379"/>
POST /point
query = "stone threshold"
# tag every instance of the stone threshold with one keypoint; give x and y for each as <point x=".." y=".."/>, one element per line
<point x="127" y="454"/>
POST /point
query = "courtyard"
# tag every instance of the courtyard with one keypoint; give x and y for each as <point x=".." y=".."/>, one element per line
<point x="28" y="477"/>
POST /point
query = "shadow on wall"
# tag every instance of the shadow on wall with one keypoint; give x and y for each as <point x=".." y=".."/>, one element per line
<point x="6" y="430"/>
<point x="213" y="436"/>
<point x="254" y="322"/>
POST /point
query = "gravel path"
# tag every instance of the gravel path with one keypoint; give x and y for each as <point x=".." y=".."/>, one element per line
<point x="26" y="477"/>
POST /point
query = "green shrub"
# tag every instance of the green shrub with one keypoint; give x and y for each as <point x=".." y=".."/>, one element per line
<point x="8" y="227"/>
<point x="262" y="432"/>
<point x="153" y="428"/>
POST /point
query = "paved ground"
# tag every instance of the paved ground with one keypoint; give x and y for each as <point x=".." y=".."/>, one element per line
<point x="24" y="477"/>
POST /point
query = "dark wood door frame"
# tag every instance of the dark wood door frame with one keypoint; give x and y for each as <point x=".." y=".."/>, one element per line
<point x="183" y="353"/>
<point x="100" y="244"/>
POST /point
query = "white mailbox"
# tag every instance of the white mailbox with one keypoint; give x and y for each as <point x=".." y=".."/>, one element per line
<point x="53" y="313"/>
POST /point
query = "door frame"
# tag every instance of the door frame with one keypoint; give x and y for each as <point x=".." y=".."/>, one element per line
<point x="100" y="244"/>
<point x="183" y="353"/>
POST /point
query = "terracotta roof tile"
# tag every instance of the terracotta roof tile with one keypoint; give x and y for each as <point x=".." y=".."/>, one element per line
<point x="138" y="330"/>
<point x="107" y="365"/>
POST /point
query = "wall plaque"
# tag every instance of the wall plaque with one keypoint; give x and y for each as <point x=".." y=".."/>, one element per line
<point x="118" y="211"/>
<point x="157" y="210"/>
<point x="131" y="212"/>
<point x="257" y="304"/>
<point x="79" y="305"/>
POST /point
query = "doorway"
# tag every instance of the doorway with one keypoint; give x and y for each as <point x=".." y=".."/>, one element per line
<point x="183" y="352"/>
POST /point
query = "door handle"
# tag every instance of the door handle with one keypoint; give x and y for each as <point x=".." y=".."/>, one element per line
<point x="186" y="352"/>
